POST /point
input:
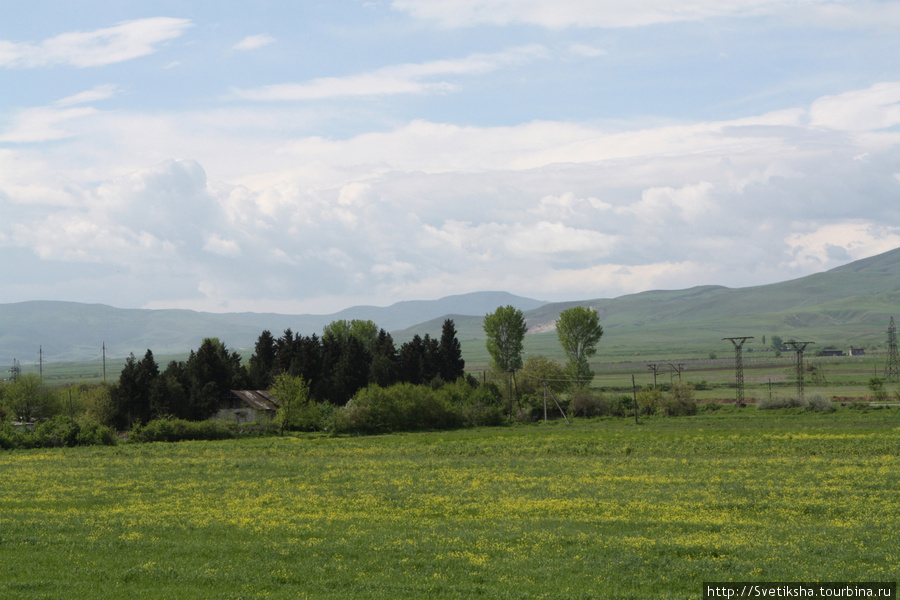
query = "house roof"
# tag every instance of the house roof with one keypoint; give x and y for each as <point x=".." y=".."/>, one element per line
<point x="257" y="399"/>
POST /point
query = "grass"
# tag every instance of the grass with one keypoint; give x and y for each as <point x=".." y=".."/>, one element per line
<point x="599" y="509"/>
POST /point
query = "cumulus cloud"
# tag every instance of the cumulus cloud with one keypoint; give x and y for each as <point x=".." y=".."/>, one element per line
<point x="553" y="210"/>
<point x="126" y="41"/>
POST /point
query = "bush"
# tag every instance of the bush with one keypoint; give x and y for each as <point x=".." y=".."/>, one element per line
<point x="648" y="400"/>
<point x="585" y="403"/>
<point x="776" y="403"/>
<point x="177" y="430"/>
<point x="679" y="402"/>
<point x="478" y="405"/>
<point x="816" y="402"/>
<point x="409" y="407"/>
<point x="819" y="403"/>
<point x="56" y="433"/>
<point x="400" y="407"/>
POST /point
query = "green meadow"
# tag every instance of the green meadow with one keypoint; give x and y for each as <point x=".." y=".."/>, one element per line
<point x="601" y="508"/>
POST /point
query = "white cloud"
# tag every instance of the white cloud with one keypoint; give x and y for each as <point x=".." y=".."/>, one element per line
<point x="43" y="124"/>
<point x="122" y="42"/>
<point x="853" y="239"/>
<point x="877" y="107"/>
<point x="410" y="78"/>
<point x="253" y="42"/>
<point x="554" y="210"/>
<point x="615" y="14"/>
<point x="216" y="244"/>
<point x="97" y="93"/>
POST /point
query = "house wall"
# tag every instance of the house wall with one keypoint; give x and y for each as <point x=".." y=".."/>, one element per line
<point x="242" y="415"/>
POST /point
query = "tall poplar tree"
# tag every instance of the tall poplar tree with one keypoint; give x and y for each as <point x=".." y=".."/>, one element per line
<point x="579" y="332"/>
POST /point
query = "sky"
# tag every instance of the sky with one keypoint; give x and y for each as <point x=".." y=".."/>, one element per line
<point x="309" y="156"/>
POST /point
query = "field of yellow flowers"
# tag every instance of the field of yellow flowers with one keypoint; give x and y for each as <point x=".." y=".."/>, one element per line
<point x="597" y="509"/>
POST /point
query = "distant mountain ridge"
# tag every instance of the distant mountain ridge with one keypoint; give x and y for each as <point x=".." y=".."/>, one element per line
<point x="69" y="331"/>
<point x="851" y="302"/>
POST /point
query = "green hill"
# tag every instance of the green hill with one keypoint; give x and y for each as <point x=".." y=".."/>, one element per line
<point x="848" y="305"/>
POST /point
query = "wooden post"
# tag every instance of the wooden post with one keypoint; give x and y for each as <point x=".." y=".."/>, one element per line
<point x="634" y="393"/>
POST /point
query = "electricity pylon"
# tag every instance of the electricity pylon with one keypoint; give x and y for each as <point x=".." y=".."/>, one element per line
<point x="799" y="347"/>
<point x="892" y="369"/>
<point x="739" y="365"/>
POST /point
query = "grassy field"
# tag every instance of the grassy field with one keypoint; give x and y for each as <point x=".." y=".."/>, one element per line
<point x="598" y="509"/>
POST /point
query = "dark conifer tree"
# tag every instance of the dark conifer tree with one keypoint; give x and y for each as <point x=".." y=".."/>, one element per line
<point x="383" y="370"/>
<point x="451" y="360"/>
<point x="261" y="370"/>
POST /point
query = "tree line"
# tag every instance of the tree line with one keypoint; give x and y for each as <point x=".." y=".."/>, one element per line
<point x="353" y="378"/>
<point x="349" y="356"/>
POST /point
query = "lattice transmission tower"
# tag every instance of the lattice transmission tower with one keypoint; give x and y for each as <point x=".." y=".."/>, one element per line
<point x="799" y="347"/>
<point x="738" y="343"/>
<point x="892" y="369"/>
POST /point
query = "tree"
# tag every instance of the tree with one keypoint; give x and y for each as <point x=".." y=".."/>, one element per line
<point x="365" y="331"/>
<point x="211" y="372"/>
<point x="292" y="393"/>
<point x="452" y="365"/>
<point x="540" y="369"/>
<point x="29" y="400"/>
<point x="345" y="368"/>
<point x="419" y="361"/>
<point x="383" y="370"/>
<point x="131" y="396"/>
<point x="262" y="363"/>
<point x="579" y="330"/>
<point x="505" y="331"/>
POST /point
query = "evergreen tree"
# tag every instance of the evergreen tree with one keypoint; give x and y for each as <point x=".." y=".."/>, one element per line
<point x="452" y="365"/>
<point x="261" y="370"/>
<point x="131" y="395"/>
<point x="345" y="368"/>
<point x="384" y="370"/>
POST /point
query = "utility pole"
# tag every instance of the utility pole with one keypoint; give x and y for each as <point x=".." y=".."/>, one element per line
<point x="16" y="370"/>
<point x="634" y="394"/>
<point x="799" y="347"/>
<point x="738" y="343"/>
<point x="677" y="369"/>
<point x="892" y="369"/>
<point x="104" y="362"/>
<point x="655" y="368"/>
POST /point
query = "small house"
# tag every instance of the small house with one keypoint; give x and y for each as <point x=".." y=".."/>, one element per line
<point x="247" y="406"/>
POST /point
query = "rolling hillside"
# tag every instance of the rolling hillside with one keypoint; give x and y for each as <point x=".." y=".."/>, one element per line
<point x="70" y="331"/>
<point x="849" y="305"/>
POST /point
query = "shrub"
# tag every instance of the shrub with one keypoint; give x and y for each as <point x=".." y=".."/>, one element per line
<point x="649" y="399"/>
<point x="57" y="432"/>
<point x="478" y="405"/>
<point x="400" y="407"/>
<point x="585" y="403"/>
<point x="679" y="401"/>
<point x="177" y="430"/>
<point x="776" y="403"/>
<point x="819" y="403"/>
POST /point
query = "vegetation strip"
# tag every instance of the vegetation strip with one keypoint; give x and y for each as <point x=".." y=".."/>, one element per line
<point x="601" y="509"/>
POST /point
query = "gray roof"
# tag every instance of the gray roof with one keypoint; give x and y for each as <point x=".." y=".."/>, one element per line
<point x="257" y="399"/>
